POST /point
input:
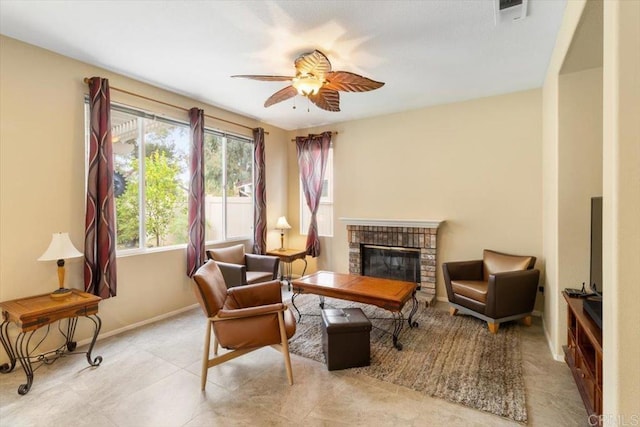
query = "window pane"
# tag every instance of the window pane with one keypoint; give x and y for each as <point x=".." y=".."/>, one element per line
<point x="163" y="176"/>
<point x="325" y="189"/>
<point x="327" y="184"/>
<point x="239" y="163"/>
<point x="324" y="217"/>
<point x="213" y="186"/>
<point x="166" y="182"/>
<point x="124" y="134"/>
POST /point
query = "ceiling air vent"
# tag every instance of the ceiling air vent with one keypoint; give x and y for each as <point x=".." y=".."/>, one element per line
<point x="505" y="4"/>
<point x="509" y="10"/>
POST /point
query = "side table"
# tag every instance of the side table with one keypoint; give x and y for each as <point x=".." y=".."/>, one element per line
<point x="32" y="313"/>
<point x="287" y="256"/>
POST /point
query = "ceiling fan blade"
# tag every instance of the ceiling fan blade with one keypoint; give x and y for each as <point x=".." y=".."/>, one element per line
<point x="315" y="63"/>
<point x="350" y="82"/>
<point x="281" y="95"/>
<point x="264" y="78"/>
<point x="326" y="99"/>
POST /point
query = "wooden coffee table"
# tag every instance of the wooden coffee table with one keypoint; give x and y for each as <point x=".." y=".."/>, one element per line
<point x="391" y="295"/>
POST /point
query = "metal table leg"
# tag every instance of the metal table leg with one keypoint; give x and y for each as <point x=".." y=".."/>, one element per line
<point x="98" y="324"/>
<point x="414" y="308"/>
<point x="305" y="266"/>
<point x="21" y="350"/>
<point x="398" y="322"/>
<point x="4" y="337"/>
<point x="287" y="269"/>
<point x="293" y="302"/>
<point x="71" y="330"/>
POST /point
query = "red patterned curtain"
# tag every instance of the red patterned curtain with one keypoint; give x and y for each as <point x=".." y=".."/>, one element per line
<point x="312" y="162"/>
<point x="259" y="194"/>
<point x="195" y="246"/>
<point x="100" y="276"/>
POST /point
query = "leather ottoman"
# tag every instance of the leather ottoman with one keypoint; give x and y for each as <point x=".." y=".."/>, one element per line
<point x="345" y="338"/>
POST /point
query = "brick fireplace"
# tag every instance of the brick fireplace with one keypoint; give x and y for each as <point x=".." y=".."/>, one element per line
<point x="422" y="235"/>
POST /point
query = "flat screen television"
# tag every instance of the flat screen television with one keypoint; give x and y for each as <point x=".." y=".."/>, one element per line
<point x="593" y="305"/>
<point x="595" y="276"/>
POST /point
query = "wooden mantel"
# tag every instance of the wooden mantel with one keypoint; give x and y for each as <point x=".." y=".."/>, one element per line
<point x="416" y="223"/>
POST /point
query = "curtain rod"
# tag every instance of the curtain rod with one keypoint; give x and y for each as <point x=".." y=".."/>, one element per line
<point x="318" y="134"/>
<point x="87" y="80"/>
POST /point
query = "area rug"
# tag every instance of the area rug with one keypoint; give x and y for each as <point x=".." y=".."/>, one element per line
<point x="449" y="357"/>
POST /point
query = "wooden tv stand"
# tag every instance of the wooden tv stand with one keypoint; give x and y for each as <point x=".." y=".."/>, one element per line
<point x="583" y="354"/>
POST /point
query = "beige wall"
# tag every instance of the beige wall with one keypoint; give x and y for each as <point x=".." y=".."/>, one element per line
<point x="474" y="164"/>
<point x="42" y="183"/>
<point x="579" y="176"/>
<point x="580" y="171"/>
<point x="621" y="212"/>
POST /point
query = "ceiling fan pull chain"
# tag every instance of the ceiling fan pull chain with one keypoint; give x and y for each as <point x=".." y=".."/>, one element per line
<point x="308" y="104"/>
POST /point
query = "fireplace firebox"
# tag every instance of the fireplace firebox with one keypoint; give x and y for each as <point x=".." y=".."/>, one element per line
<point x="391" y="262"/>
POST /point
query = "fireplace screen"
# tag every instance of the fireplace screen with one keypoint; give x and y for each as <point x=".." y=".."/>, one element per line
<point x="391" y="262"/>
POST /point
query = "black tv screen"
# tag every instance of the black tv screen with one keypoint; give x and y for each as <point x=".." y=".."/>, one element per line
<point x="595" y="276"/>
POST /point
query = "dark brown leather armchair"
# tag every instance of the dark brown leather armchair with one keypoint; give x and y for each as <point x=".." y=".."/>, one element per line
<point x="239" y="268"/>
<point x="243" y="318"/>
<point x="498" y="288"/>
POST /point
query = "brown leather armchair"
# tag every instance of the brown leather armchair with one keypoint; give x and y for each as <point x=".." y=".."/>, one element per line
<point x="243" y="318"/>
<point x="239" y="268"/>
<point x="498" y="288"/>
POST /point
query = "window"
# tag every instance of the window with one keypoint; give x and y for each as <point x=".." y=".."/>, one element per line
<point x="325" y="210"/>
<point x="228" y="186"/>
<point x="151" y="181"/>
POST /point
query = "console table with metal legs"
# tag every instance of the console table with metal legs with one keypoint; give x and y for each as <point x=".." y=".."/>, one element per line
<point x="287" y="256"/>
<point x="32" y="313"/>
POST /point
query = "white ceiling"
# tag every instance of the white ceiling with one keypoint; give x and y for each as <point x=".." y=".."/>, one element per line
<point x="427" y="52"/>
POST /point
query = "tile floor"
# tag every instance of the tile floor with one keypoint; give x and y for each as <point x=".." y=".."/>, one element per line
<point x="150" y="377"/>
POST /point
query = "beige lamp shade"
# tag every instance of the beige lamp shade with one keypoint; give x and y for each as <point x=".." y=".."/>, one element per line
<point x="282" y="224"/>
<point x="60" y="248"/>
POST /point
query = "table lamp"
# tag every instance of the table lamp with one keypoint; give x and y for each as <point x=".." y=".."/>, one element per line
<point x="59" y="249"/>
<point x="282" y="225"/>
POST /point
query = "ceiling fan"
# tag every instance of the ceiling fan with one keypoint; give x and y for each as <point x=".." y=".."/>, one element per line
<point x="315" y="80"/>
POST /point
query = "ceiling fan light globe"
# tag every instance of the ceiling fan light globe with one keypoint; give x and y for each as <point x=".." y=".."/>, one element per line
<point x="307" y="84"/>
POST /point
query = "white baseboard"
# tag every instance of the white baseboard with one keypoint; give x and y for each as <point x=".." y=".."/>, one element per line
<point x="138" y="324"/>
<point x="556" y="357"/>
